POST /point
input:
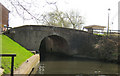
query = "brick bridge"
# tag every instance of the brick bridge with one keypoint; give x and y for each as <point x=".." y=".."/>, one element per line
<point x="54" y="39"/>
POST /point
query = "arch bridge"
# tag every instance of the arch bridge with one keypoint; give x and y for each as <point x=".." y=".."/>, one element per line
<point x="53" y="39"/>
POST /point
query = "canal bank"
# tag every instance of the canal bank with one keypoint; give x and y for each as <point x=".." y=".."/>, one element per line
<point x="28" y="65"/>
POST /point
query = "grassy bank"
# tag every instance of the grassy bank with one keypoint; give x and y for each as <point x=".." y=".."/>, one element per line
<point x="11" y="47"/>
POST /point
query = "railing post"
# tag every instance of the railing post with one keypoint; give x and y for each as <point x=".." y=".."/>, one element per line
<point x="12" y="65"/>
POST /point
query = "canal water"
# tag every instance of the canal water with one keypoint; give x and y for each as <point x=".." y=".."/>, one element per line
<point x="68" y="65"/>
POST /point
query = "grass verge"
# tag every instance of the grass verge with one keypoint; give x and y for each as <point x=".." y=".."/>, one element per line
<point x="11" y="47"/>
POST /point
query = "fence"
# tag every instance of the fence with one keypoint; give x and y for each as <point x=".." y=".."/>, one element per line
<point x="110" y="32"/>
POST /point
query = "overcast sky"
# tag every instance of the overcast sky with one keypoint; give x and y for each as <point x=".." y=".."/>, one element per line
<point x="95" y="12"/>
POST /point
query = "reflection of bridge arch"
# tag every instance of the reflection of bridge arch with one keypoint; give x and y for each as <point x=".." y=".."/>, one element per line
<point x="53" y="44"/>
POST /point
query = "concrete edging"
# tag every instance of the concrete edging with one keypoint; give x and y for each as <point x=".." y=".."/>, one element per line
<point x="28" y="65"/>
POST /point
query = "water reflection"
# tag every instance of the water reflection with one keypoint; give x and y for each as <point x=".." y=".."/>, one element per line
<point x="68" y="65"/>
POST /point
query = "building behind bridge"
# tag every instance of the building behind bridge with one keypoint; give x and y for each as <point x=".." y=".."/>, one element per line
<point x="95" y="29"/>
<point x="4" y="15"/>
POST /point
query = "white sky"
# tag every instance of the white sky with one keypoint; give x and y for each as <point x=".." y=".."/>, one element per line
<point x="94" y="11"/>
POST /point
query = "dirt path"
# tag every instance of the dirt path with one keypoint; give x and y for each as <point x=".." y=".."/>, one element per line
<point x="27" y="66"/>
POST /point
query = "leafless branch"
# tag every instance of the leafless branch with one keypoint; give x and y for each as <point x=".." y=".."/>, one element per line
<point x="70" y="20"/>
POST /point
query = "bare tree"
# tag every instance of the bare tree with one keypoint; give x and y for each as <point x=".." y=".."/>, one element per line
<point x="63" y="19"/>
<point x="30" y="10"/>
<point x="75" y="19"/>
<point x="23" y="9"/>
<point x="27" y="9"/>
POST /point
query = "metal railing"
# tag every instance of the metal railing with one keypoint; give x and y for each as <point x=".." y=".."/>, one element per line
<point x="110" y="32"/>
<point x="12" y="62"/>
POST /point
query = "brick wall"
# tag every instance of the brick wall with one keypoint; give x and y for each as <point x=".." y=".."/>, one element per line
<point x="4" y="15"/>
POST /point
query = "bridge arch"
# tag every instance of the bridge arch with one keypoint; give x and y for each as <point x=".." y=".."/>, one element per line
<point x="53" y="44"/>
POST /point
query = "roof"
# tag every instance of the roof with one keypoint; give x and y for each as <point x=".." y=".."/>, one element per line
<point x="97" y="27"/>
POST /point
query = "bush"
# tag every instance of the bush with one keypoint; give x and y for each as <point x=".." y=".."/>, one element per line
<point x="107" y="49"/>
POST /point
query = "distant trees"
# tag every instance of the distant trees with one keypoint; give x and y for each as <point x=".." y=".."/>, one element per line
<point x="28" y="10"/>
<point x="63" y="19"/>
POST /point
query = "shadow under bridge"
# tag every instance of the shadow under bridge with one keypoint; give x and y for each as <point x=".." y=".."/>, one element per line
<point x="53" y="45"/>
